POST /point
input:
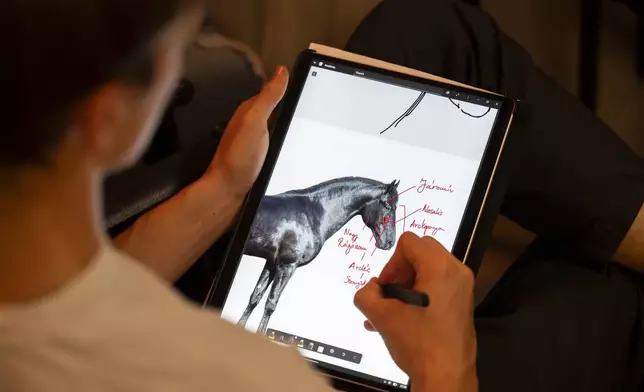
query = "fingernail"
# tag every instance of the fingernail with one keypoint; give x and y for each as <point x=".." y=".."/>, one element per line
<point x="278" y="71"/>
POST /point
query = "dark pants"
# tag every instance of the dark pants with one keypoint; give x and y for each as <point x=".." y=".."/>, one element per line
<point x="561" y="318"/>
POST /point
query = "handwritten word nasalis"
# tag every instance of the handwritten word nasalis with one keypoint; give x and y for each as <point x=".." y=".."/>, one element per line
<point x="432" y="211"/>
<point x="426" y="228"/>
<point x="349" y="246"/>
<point x="424" y="186"/>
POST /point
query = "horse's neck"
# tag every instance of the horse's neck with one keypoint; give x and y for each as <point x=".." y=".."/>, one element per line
<point x="342" y="204"/>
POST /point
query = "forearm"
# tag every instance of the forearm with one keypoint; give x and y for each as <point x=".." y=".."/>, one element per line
<point x="468" y="383"/>
<point x="631" y="251"/>
<point x="174" y="235"/>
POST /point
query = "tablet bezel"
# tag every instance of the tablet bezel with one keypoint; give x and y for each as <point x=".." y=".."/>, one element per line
<point x="284" y="115"/>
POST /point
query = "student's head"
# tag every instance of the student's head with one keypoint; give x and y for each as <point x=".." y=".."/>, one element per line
<point x="84" y="81"/>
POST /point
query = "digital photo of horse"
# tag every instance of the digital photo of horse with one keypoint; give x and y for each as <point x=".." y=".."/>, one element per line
<point x="291" y="228"/>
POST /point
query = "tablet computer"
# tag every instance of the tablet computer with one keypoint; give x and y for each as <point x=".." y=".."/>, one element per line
<point x="358" y="155"/>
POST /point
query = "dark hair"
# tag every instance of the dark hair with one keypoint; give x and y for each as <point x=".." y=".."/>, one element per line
<point x="57" y="52"/>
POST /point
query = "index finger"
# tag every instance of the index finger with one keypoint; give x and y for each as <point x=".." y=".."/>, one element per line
<point x="414" y="257"/>
<point x="399" y="270"/>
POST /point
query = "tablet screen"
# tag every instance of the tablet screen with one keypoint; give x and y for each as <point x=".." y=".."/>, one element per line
<point x="366" y="157"/>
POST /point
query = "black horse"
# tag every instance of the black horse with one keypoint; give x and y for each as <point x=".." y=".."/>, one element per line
<point x="291" y="228"/>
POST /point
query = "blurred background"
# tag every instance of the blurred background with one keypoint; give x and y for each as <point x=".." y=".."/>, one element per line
<point x="593" y="41"/>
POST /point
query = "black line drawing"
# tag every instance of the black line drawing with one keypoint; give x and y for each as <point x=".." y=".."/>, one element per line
<point x="407" y="113"/>
<point x="458" y="106"/>
<point x="290" y="229"/>
<point x="417" y="102"/>
<point x="472" y="115"/>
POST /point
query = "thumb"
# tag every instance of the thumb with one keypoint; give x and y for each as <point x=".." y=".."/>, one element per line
<point x="376" y="309"/>
<point x="272" y="93"/>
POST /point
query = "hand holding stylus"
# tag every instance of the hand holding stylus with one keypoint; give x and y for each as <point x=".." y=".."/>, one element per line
<point x="436" y="344"/>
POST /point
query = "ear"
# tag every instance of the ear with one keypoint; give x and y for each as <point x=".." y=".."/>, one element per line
<point x="97" y="117"/>
<point x="112" y="122"/>
<point x="393" y="186"/>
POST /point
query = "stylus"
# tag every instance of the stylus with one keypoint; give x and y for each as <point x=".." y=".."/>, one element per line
<point x="410" y="297"/>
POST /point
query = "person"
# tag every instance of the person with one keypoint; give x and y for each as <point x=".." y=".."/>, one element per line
<point x="567" y="314"/>
<point x="76" y="313"/>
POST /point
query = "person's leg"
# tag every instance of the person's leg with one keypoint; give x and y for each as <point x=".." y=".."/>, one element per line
<point x="550" y="324"/>
<point x="575" y="180"/>
<point x="554" y="324"/>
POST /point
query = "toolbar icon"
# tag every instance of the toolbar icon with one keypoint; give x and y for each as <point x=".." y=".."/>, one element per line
<point x="321" y="349"/>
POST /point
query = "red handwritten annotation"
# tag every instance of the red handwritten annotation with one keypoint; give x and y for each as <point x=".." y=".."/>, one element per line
<point x="360" y="267"/>
<point x="357" y="283"/>
<point x="434" y="230"/>
<point x="432" y="211"/>
<point x="347" y="232"/>
<point x="424" y="186"/>
<point x="349" y="246"/>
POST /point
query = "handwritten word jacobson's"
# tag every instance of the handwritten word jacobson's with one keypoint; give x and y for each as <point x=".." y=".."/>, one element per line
<point x="425" y="227"/>
<point x="424" y="186"/>
<point x="360" y="267"/>
<point x="349" y="246"/>
<point x="432" y="211"/>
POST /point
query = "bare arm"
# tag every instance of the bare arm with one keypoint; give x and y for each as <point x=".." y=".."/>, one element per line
<point x="631" y="251"/>
<point x="171" y="237"/>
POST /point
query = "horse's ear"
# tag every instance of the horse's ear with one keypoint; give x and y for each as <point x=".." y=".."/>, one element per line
<point x="393" y="186"/>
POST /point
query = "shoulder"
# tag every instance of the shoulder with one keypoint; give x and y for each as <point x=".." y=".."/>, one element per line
<point x="119" y="327"/>
<point x="153" y="327"/>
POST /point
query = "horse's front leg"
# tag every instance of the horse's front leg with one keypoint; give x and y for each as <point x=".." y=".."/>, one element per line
<point x="283" y="275"/>
<point x="264" y="281"/>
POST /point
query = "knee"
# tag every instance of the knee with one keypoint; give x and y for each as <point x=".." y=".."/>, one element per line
<point x="270" y="307"/>
<point x="421" y="34"/>
<point x="394" y="16"/>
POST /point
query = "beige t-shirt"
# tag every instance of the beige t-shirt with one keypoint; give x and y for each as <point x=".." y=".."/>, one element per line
<point x="118" y="327"/>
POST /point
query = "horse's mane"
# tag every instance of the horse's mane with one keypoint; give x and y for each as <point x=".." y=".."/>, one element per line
<point x="337" y="183"/>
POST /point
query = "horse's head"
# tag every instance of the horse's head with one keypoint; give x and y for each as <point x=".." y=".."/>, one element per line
<point x="380" y="216"/>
